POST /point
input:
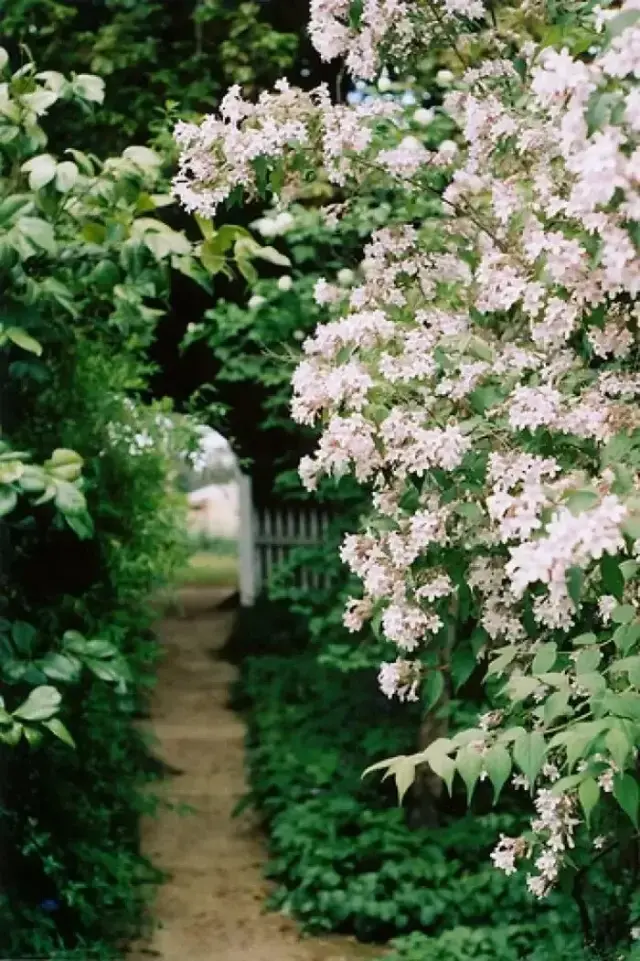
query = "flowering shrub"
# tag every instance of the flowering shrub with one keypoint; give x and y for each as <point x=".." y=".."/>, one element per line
<point x="482" y="383"/>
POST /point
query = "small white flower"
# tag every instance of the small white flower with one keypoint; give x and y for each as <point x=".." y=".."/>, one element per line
<point x="424" y="116"/>
<point x="285" y="282"/>
<point x="256" y="301"/>
<point x="444" y="78"/>
<point x="345" y="277"/>
<point x="384" y="82"/>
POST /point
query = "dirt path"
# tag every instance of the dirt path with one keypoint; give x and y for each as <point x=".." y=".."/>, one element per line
<point x="212" y="908"/>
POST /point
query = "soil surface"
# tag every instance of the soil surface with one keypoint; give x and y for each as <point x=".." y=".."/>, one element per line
<point x="212" y="907"/>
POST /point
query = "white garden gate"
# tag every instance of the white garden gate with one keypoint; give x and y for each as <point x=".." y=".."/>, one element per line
<point x="267" y="537"/>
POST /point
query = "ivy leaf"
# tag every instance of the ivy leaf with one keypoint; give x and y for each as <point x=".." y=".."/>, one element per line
<point x="589" y="794"/>
<point x="497" y="763"/>
<point x="41" y="704"/>
<point x="529" y="752"/>
<point x="627" y="794"/>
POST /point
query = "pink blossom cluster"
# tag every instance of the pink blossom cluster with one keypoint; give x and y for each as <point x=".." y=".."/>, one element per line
<point x="476" y="385"/>
<point x="386" y="27"/>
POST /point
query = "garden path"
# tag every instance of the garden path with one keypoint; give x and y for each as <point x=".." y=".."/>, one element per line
<point x="212" y="907"/>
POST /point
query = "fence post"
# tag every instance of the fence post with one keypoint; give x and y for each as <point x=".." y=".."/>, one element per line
<point x="247" y="547"/>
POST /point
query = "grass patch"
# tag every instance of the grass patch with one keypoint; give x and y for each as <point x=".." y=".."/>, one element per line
<point x="209" y="570"/>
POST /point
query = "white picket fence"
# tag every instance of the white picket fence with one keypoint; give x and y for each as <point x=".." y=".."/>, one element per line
<point x="267" y="537"/>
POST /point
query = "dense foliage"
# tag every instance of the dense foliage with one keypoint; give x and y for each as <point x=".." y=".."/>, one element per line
<point x="480" y="384"/>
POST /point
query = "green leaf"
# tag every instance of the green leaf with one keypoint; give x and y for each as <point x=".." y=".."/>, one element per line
<point x="66" y="176"/>
<point x="247" y="270"/>
<point x="463" y="664"/>
<point x="497" y="763"/>
<point x="143" y="157"/>
<point x="89" y="87"/>
<point x="22" y="339"/>
<point x="621" y="22"/>
<point x="68" y="499"/>
<point x="626" y="793"/>
<point x="65" y="464"/>
<point x="631" y="527"/>
<point x="100" y="649"/>
<point x="106" y="670"/>
<point x="41" y="170"/>
<point x="59" y="667"/>
<point x="8" y="499"/>
<point x="505" y="656"/>
<point x="587" y="660"/>
<point x="529" y="751"/>
<point x="545" y="658"/>
<point x="575" y="580"/>
<point x="623" y="614"/>
<point x="81" y="524"/>
<point x="432" y="689"/>
<point x="23" y="636"/>
<point x="618" y="746"/>
<point x="206" y="227"/>
<point x="521" y="687"/>
<point x="59" y="730"/>
<point x="589" y="794"/>
<point x="469" y="763"/>
<point x="404" y="772"/>
<point x="556" y="706"/>
<point x="40" y="101"/>
<point x="272" y="256"/>
<point x="582" y="500"/>
<point x="625" y="637"/>
<point x="41" y="704"/>
<point x="39" y="232"/>
<point x="436" y="755"/>
<point x="612" y="577"/>
<point x="211" y="259"/>
<point x="32" y="735"/>
<point x="629" y="569"/>
<point x="584" y="639"/>
<point x="12" y="735"/>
